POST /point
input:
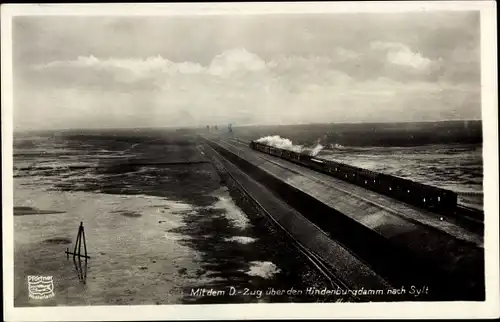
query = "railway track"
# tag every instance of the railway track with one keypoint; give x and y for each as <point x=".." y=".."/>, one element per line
<point x="401" y="260"/>
<point x="321" y="266"/>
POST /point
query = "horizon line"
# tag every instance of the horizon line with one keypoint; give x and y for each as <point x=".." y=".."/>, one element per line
<point x="236" y="126"/>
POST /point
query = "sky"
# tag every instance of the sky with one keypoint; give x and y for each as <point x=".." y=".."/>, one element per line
<point x="107" y="72"/>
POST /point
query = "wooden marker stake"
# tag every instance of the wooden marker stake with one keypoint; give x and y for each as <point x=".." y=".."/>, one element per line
<point x="78" y="245"/>
<point x="84" y="242"/>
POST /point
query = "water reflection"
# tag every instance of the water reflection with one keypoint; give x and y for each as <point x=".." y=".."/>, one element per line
<point x="81" y="269"/>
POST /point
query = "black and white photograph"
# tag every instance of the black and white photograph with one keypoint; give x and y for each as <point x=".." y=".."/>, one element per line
<point x="215" y="158"/>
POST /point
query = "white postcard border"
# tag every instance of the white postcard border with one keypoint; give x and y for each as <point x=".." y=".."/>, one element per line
<point x="489" y="308"/>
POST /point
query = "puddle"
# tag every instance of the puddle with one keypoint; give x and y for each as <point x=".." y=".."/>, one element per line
<point x="58" y="241"/>
<point x="26" y="211"/>
<point x="241" y="239"/>
<point x="125" y="213"/>
<point x="265" y="270"/>
<point x="232" y="212"/>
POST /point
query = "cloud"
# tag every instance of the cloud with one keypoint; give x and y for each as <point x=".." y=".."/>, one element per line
<point x="293" y="70"/>
<point x="223" y="64"/>
<point x="400" y="54"/>
<point x="138" y="67"/>
<point x="236" y="60"/>
<point x="238" y="86"/>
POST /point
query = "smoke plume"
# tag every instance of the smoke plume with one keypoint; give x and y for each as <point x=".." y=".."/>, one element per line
<point x="279" y="142"/>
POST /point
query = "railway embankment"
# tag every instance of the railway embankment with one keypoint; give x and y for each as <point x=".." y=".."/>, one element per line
<point x="400" y="244"/>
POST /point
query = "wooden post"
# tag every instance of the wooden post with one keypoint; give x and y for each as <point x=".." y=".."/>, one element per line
<point x="78" y="244"/>
<point x="84" y="242"/>
<point x="80" y="230"/>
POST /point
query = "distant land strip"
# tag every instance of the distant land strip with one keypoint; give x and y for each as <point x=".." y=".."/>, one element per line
<point x="78" y="167"/>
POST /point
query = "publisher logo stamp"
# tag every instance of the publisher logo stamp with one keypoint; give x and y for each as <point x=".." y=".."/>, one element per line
<point x="40" y="287"/>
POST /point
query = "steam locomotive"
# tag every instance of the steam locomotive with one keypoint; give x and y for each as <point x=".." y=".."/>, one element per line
<point x="413" y="193"/>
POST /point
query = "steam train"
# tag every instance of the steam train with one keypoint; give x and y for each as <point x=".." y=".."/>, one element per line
<point x="413" y="193"/>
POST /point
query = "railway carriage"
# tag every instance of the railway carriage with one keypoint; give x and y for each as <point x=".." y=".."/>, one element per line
<point x="411" y="192"/>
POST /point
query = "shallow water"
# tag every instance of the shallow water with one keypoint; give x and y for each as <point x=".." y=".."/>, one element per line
<point x="134" y="259"/>
<point x="155" y="233"/>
